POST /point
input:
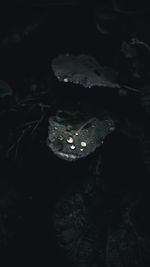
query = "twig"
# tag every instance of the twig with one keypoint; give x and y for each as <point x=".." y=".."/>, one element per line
<point x="16" y="144"/>
<point x="83" y="125"/>
<point x="131" y="89"/>
<point x="37" y="125"/>
<point x="27" y="99"/>
<point x="30" y="122"/>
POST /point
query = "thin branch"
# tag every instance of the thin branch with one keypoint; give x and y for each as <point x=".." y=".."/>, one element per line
<point x="131" y="89"/>
<point x="37" y="125"/>
<point x="83" y="125"/>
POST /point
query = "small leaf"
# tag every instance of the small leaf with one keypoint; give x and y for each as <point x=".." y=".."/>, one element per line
<point x="83" y="70"/>
<point x="72" y="136"/>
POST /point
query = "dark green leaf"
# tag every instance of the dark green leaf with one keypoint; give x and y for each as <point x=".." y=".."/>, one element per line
<point x="84" y="70"/>
<point x="75" y="135"/>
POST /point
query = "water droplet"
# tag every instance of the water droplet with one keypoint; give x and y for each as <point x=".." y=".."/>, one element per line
<point x="83" y="144"/>
<point x="81" y="149"/>
<point x="70" y="140"/>
<point x="76" y="133"/>
<point x="72" y="147"/>
<point x="65" y="80"/>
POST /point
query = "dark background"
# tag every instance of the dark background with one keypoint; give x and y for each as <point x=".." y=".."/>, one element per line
<point x="32" y="178"/>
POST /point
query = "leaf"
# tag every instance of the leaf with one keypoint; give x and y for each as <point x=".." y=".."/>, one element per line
<point x="83" y="70"/>
<point x="128" y="50"/>
<point x="5" y="89"/>
<point x="73" y="135"/>
<point x="76" y="231"/>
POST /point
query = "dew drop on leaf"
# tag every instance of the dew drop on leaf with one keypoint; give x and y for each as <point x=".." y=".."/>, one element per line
<point x="70" y="140"/>
<point x="72" y="147"/>
<point x="81" y="139"/>
<point x="83" y="144"/>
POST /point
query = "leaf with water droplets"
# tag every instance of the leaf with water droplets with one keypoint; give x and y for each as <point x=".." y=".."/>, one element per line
<point x="83" y="70"/>
<point x="73" y="135"/>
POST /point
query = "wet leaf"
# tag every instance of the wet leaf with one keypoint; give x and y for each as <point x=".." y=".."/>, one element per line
<point x="83" y="70"/>
<point x="137" y="54"/>
<point x="72" y="135"/>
